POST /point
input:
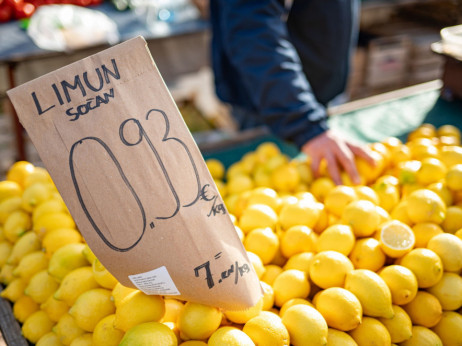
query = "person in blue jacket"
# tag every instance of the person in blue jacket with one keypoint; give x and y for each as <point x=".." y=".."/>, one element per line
<point x="279" y="64"/>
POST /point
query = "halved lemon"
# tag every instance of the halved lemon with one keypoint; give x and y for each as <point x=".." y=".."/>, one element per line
<point x="396" y="238"/>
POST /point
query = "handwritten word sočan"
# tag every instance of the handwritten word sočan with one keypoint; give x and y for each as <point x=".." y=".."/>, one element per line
<point x="80" y="87"/>
<point x="92" y="103"/>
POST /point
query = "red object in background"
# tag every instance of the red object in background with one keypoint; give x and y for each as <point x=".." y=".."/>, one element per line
<point x="20" y="9"/>
<point x="6" y="12"/>
<point x="24" y="10"/>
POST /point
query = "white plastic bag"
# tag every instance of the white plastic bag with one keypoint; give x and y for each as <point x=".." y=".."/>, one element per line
<point x="70" y="27"/>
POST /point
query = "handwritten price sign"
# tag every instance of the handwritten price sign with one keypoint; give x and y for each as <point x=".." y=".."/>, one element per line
<point x="133" y="178"/>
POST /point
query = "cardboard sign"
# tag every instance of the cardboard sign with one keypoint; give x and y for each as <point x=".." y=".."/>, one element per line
<point x="134" y="180"/>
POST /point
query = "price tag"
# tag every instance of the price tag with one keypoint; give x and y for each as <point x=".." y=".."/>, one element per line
<point x="119" y="152"/>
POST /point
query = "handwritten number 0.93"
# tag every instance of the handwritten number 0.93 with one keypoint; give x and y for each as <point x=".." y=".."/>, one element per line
<point x="142" y="135"/>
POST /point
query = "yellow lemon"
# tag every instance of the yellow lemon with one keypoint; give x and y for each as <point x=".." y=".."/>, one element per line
<point x="49" y="339"/>
<point x="36" y="325"/>
<point x="138" y="307"/>
<point x="90" y="307"/>
<point x="149" y="334"/>
<point x="304" y="212"/>
<point x="9" y="189"/>
<point x="41" y="286"/>
<point x="50" y="221"/>
<point x="67" y="329"/>
<point x="340" y="308"/>
<point x="441" y="189"/>
<point x="449" y="328"/>
<point x="451" y="155"/>
<point x="431" y="171"/>
<point x="119" y="292"/>
<point x="264" y="195"/>
<point x="242" y="316"/>
<point x="399" y="326"/>
<point x="300" y="261"/>
<point x="16" y="224"/>
<point x="6" y="273"/>
<point x="52" y="205"/>
<point x="221" y="187"/>
<point x="83" y="340"/>
<point x="173" y="308"/>
<point x="65" y="259"/>
<point x="59" y="237"/>
<point x="338" y="238"/>
<point x="268" y="296"/>
<point x="399" y="213"/>
<point x="24" y="307"/>
<point x="285" y="177"/>
<point x="239" y="183"/>
<point x="426" y="266"/>
<point x="453" y="220"/>
<point x="257" y="264"/>
<point x="372" y="292"/>
<point x="263" y="242"/>
<point x="371" y="332"/>
<point x="33" y="195"/>
<point x="396" y="238"/>
<point x="7" y="206"/>
<point x="270" y="273"/>
<point x="75" y="283"/>
<point x="362" y="216"/>
<point x="292" y="302"/>
<point x="445" y="130"/>
<point x="216" y="168"/>
<point x="424" y="231"/>
<point x="28" y="243"/>
<point x="31" y="264"/>
<point x="14" y="290"/>
<point x="368" y="172"/>
<point x="306" y="326"/>
<point x="267" y="329"/>
<point x="424" y="310"/>
<point x="88" y="254"/>
<point x="297" y="239"/>
<point x="448" y="291"/>
<point x="453" y="177"/>
<point x="425" y="206"/>
<point x="198" y="321"/>
<point x="230" y="336"/>
<point x="102" y="276"/>
<point x="105" y="334"/>
<point x="5" y="252"/>
<point x="38" y="175"/>
<point x="266" y="150"/>
<point x="402" y="283"/>
<point x="290" y="284"/>
<point x="338" y="338"/>
<point x="257" y="216"/>
<point x="388" y="195"/>
<point x="19" y="171"/>
<point x="449" y="248"/>
<point x="338" y="198"/>
<point x="423" y="336"/>
<point x="55" y="309"/>
<point x="304" y="170"/>
<point x="275" y="162"/>
<point x="367" y="193"/>
<point x="321" y="187"/>
<point x="329" y="269"/>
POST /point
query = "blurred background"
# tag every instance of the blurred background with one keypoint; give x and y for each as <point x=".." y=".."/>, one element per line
<point x="394" y="52"/>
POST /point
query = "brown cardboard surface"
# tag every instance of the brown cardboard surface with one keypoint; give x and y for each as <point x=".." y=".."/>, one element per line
<point x="133" y="178"/>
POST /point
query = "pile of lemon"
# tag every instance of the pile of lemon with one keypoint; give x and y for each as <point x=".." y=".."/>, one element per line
<point x="372" y="264"/>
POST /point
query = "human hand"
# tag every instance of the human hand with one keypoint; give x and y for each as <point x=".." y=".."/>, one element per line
<point x="339" y="154"/>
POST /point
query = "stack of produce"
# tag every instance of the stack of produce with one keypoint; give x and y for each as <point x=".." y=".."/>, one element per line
<point x="377" y="263"/>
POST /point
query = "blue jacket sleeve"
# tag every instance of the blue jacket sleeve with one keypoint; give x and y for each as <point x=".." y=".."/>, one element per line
<point x="255" y="39"/>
